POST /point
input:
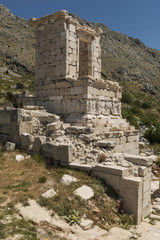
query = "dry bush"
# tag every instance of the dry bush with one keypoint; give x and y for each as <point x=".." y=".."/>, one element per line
<point x="102" y="157"/>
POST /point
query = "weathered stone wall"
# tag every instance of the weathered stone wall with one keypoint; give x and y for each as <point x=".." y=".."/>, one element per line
<point x="79" y="98"/>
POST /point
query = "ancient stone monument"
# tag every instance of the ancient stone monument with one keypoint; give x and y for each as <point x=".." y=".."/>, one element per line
<point x="76" y="118"/>
<point x="68" y="80"/>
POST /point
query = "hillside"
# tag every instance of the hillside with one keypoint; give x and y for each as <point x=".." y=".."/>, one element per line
<point x="16" y="43"/>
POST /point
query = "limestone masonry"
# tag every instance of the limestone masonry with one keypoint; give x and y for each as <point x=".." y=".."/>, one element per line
<point x="81" y="126"/>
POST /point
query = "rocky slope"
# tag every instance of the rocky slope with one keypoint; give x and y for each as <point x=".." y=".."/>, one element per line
<point x="124" y="58"/>
<point x="16" y="43"/>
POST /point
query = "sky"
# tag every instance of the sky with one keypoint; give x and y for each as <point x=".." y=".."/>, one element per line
<point x="136" y="18"/>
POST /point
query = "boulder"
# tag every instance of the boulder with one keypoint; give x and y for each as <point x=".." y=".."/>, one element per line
<point x="84" y="192"/>
<point x="60" y="152"/>
<point x="67" y="179"/>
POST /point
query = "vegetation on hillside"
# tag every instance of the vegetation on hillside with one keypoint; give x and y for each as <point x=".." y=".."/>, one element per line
<point x="142" y="110"/>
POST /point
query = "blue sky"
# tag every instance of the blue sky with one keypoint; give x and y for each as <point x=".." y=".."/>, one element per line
<point x="136" y="18"/>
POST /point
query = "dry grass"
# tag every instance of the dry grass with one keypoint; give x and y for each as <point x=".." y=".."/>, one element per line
<point x="29" y="179"/>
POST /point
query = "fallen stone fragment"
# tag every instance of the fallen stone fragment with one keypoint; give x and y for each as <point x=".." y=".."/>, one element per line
<point x="54" y="126"/>
<point x="19" y="157"/>
<point x="86" y="224"/>
<point x="50" y="193"/>
<point x="10" y="146"/>
<point x="26" y="140"/>
<point x="38" y="142"/>
<point x="67" y="179"/>
<point x="84" y="192"/>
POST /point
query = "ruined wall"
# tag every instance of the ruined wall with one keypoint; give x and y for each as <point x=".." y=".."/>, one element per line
<point x="40" y="132"/>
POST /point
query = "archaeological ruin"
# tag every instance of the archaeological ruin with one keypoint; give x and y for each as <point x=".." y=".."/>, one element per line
<point x="74" y="118"/>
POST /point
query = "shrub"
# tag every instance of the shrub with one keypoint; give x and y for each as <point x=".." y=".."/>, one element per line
<point x="127" y="98"/>
<point x="42" y="179"/>
<point x="73" y="217"/>
<point x="153" y="134"/>
<point x="127" y="113"/>
<point x="146" y="105"/>
<point x="38" y="158"/>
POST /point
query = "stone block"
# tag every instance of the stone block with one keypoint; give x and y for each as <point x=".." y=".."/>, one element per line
<point x="61" y="153"/>
<point x="10" y="146"/>
<point x="138" y="159"/>
<point x="109" y="179"/>
<point x="142" y="171"/>
<point x="85" y="192"/>
<point x="114" y="170"/>
<point x="131" y="192"/>
<point x="5" y="128"/>
<point x="5" y="117"/>
<point x="26" y="140"/>
<point x="38" y="142"/>
<point x="82" y="167"/>
<point x="106" y="144"/>
<point x="53" y="126"/>
<point x="48" y="149"/>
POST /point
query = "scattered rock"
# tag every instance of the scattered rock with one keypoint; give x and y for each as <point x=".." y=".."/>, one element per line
<point x="67" y="179"/>
<point x="10" y="146"/>
<point x="49" y="194"/>
<point x="19" y="157"/>
<point x="84" y="192"/>
<point x="86" y="224"/>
